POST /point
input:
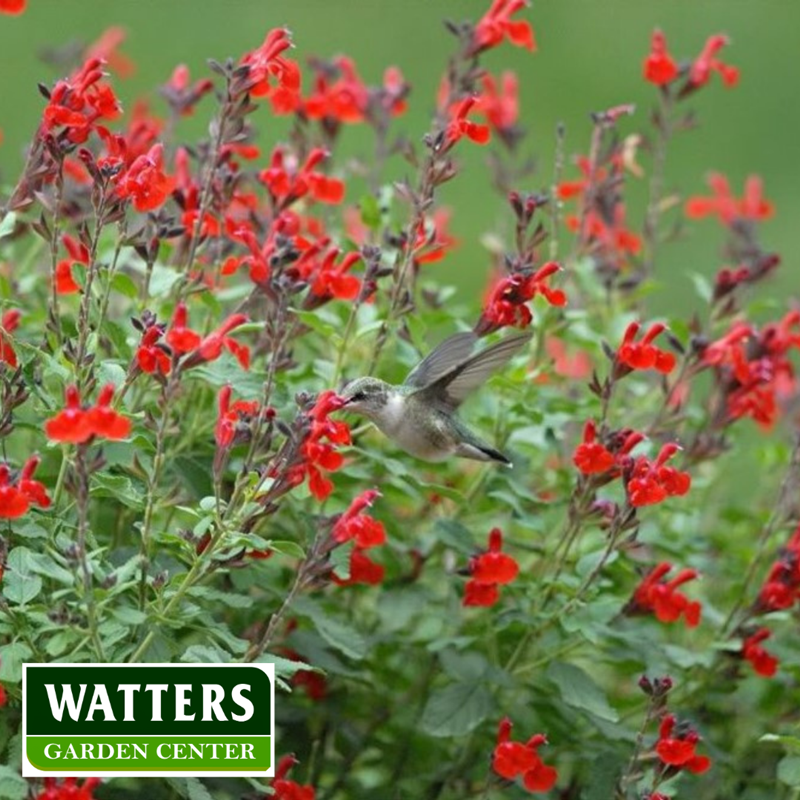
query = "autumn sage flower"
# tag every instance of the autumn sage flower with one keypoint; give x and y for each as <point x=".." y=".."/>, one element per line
<point x="77" y="424"/>
<point x="488" y="571"/>
<point x="513" y="760"/>
<point x="656" y="596"/>
<point x="676" y="746"/>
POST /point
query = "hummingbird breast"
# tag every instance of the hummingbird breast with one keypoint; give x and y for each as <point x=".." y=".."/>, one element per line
<point x="426" y="433"/>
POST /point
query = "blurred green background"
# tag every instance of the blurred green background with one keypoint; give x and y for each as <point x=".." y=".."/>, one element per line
<point x="589" y="58"/>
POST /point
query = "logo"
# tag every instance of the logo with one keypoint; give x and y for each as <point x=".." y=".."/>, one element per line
<point x="148" y="720"/>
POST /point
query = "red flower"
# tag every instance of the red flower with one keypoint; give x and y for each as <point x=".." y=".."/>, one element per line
<point x="288" y="182"/>
<point x="433" y="239"/>
<point x="33" y="490"/>
<point x="496" y="25"/>
<point x="8" y="324"/>
<point x="511" y="760"/>
<point x="333" y="281"/>
<point x="764" y="663"/>
<point x="480" y="594"/>
<point x="652" y="482"/>
<point x="663" y="599"/>
<point x="182" y="94"/>
<point x="707" y="62"/>
<point x="494" y="566"/>
<point x="676" y="746"/>
<point x="659" y="67"/>
<point x="505" y="305"/>
<point x="318" y="453"/>
<point x="722" y="203"/>
<point x="69" y="425"/>
<point x="150" y="356"/>
<point x="106" y="48"/>
<point x="145" y="182"/>
<point x="271" y="75"/>
<point x="179" y="337"/>
<point x="79" y="101"/>
<point x="289" y="790"/>
<point x="487" y="571"/>
<point x="644" y="354"/>
<point x="104" y="421"/>
<point x="12" y="6"/>
<point x="577" y="365"/>
<point x="591" y="457"/>
<point x="78" y="254"/>
<point x="3" y="695"/>
<point x="68" y="789"/>
<point x="459" y="126"/>
<point x="76" y="424"/>
<point x="13" y="503"/>
<point x="500" y="102"/>
<point x="229" y="416"/>
<point x="362" y="570"/>
<point x="782" y="586"/>
<point x="353" y="524"/>
<point x="211" y="346"/>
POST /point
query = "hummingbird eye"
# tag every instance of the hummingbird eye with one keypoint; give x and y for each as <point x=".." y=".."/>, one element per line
<point x="360" y="395"/>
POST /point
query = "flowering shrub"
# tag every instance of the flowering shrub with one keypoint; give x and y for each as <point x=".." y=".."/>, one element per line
<point x="181" y="479"/>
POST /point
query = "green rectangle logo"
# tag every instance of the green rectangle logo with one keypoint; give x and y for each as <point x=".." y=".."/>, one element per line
<point x="148" y="720"/>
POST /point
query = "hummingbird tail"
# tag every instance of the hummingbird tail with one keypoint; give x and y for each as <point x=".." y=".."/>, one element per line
<point x="486" y="453"/>
<point x="496" y="455"/>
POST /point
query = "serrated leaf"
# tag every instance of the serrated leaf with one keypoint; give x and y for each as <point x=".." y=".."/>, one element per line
<point x="120" y="487"/>
<point x="791" y="743"/>
<point x="291" y="549"/>
<point x="12" y="785"/>
<point x="125" y="285"/>
<point x="12" y="657"/>
<point x="340" y="559"/>
<point x="162" y="280"/>
<point x="206" y="654"/>
<point x="284" y="667"/>
<point x="580" y="691"/>
<point x="21" y="584"/>
<point x="7" y="224"/>
<point x="789" y="770"/>
<point x="336" y="633"/>
<point x="456" y="710"/>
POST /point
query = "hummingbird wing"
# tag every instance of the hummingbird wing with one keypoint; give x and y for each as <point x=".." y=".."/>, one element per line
<point x="441" y="360"/>
<point x="455" y="385"/>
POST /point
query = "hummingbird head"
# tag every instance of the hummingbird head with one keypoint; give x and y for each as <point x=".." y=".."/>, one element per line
<point x="366" y="396"/>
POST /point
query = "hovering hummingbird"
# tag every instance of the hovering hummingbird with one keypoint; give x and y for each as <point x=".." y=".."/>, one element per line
<point x="419" y="415"/>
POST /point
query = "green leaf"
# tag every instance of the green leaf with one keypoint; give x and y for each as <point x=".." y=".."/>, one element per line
<point x="12" y="785"/>
<point x="580" y="691"/>
<point x="791" y="743"/>
<point x="21" y="584"/>
<point x="284" y="668"/>
<point x="7" y="224"/>
<point x="120" y="487"/>
<point x="338" y="634"/>
<point x="370" y="211"/>
<point x="455" y="710"/>
<point x="286" y="548"/>
<point x="789" y="771"/>
<point x="12" y="657"/>
<point x="206" y="654"/>
<point x="109" y="372"/>
<point x="224" y="598"/>
<point x="340" y="559"/>
<point x="605" y="771"/>
<point x="124" y="284"/>
<point x="162" y="280"/>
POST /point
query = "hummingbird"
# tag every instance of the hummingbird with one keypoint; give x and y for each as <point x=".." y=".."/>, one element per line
<point x="419" y="415"/>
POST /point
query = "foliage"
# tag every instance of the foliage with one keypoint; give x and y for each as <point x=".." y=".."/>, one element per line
<point x="182" y="481"/>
